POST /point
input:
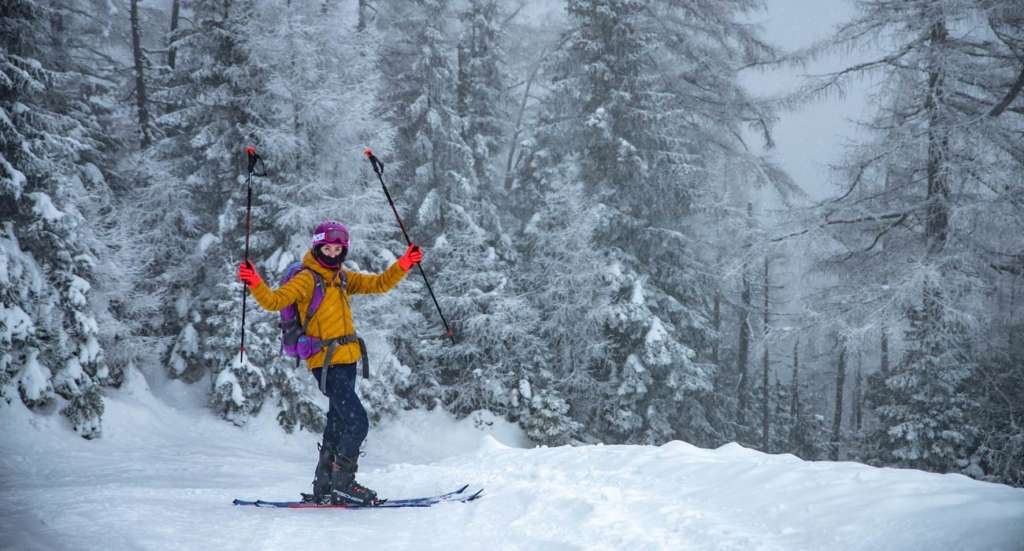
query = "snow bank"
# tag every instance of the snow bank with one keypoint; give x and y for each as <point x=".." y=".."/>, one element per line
<point x="165" y="472"/>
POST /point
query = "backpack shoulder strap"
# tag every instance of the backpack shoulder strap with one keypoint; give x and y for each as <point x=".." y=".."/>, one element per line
<point x="318" y="296"/>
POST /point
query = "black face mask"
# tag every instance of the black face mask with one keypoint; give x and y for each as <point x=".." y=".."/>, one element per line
<point x="328" y="261"/>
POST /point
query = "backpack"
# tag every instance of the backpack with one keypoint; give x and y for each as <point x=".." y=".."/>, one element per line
<point x="294" y="340"/>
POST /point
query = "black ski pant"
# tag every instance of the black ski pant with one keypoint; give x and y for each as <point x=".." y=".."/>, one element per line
<point x="347" y="423"/>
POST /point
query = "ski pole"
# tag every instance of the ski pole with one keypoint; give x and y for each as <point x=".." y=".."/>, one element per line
<point x="250" y="151"/>
<point x="378" y="168"/>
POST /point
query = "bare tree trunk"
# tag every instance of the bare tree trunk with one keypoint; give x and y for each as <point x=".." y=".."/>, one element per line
<point x="858" y="395"/>
<point x="716" y="306"/>
<point x="795" y="392"/>
<point x="780" y="404"/>
<point x="743" y="350"/>
<point x="461" y="85"/>
<point x="765" y="412"/>
<point x="937" y="223"/>
<point x="172" y="52"/>
<point x="290" y="34"/>
<point x="716" y="322"/>
<point x="796" y="428"/>
<point x="889" y="185"/>
<point x="885" y="349"/>
<point x="837" y="419"/>
<point x="140" y="75"/>
<point x="518" y="128"/>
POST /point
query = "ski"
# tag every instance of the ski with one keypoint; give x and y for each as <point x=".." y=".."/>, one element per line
<point x="455" y="496"/>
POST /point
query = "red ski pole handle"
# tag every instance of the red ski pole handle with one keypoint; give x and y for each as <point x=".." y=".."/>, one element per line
<point x="378" y="166"/>
<point x="253" y="157"/>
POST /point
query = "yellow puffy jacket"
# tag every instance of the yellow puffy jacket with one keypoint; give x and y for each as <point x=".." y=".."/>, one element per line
<point x="333" y="318"/>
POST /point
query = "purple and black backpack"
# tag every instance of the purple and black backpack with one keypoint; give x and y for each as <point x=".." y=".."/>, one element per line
<point x="294" y="340"/>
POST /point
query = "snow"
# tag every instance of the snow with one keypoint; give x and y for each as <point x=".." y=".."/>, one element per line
<point x="638" y="293"/>
<point x="181" y="304"/>
<point x="227" y="377"/>
<point x="90" y="350"/>
<point x="78" y="291"/>
<point x="44" y="207"/>
<point x="165" y="472"/>
<point x="93" y="174"/>
<point x="187" y="345"/>
<point x="205" y="242"/>
<point x="525" y="390"/>
<point x="13" y="175"/>
<point x="15" y="324"/>
<point x="429" y="210"/>
<point x="282" y="262"/>
<point x="34" y="380"/>
<point x="70" y="376"/>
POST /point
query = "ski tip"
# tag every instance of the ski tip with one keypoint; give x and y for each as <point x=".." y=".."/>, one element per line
<point x="462" y="489"/>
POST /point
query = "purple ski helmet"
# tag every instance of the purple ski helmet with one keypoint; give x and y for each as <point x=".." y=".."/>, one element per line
<point x="330" y="232"/>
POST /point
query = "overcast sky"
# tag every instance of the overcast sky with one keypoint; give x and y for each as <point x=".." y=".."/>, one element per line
<point x="809" y="139"/>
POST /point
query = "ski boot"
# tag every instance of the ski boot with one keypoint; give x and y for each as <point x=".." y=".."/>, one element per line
<point x="321" y="478"/>
<point x="344" y="488"/>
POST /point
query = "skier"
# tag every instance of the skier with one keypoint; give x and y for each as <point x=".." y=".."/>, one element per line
<point x="347" y="423"/>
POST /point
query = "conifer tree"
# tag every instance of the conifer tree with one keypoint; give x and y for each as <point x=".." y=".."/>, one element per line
<point x="202" y="154"/>
<point x="50" y="190"/>
<point x="452" y="212"/>
<point x="925" y="195"/>
<point x="923" y="406"/>
<point x="480" y="95"/>
<point x="612" y="112"/>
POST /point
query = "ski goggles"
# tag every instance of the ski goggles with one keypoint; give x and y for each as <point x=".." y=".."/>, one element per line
<point x="334" y="236"/>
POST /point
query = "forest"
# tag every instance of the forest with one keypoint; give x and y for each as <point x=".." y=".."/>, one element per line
<point x="617" y="257"/>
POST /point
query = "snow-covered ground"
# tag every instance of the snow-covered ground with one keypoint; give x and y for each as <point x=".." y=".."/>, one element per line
<point x="165" y="472"/>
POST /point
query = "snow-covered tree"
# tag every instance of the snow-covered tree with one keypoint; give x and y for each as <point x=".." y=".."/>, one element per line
<point x="480" y="94"/>
<point x="923" y="406"/>
<point x="997" y="390"/>
<point x="315" y="111"/>
<point x="927" y="200"/>
<point x="621" y="81"/>
<point x="452" y="213"/>
<point x="50" y="191"/>
<point x="212" y="119"/>
<point x="570" y="294"/>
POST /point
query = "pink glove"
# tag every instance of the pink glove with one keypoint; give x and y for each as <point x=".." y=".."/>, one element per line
<point x="247" y="274"/>
<point x="413" y="255"/>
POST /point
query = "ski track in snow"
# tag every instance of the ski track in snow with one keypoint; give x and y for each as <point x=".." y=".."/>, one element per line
<point x="163" y="477"/>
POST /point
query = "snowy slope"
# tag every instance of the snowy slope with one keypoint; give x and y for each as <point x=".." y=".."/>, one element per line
<point x="165" y="472"/>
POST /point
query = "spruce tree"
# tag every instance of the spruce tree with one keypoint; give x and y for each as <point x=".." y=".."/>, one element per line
<point x="570" y="295"/>
<point x="923" y="406"/>
<point x="203" y="156"/>
<point x="480" y="95"/>
<point x="50" y="190"/>
<point x="452" y="212"/>
<point x="610" y="112"/>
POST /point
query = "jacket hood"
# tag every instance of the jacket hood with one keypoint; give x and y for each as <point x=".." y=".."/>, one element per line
<point x="310" y="262"/>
